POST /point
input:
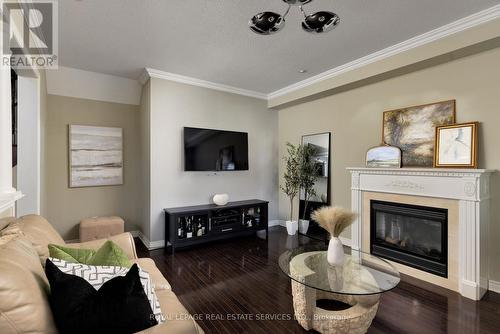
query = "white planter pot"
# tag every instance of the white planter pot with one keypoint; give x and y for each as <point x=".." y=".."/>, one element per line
<point x="291" y="227"/>
<point x="221" y="199"/>
<point x="303" y="226"/>
<point x="292" y="242"/>
<point x="335" y="254"/>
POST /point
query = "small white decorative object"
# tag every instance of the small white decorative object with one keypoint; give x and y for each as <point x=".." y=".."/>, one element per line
<point x="335" y="255"/>
<point x="221" y="199"/>
<point x="303" y="226"/>
<point x="291" y="227"/>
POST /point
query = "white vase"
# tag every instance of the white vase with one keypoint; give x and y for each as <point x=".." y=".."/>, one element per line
<point x="335" y="254"/>
<point x="221" y="199"/>
<point x="303" y="226"/>
<point x="336" y="278"/>
<point x="291" y="227"/>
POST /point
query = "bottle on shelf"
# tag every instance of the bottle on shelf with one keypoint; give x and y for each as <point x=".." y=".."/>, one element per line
<point x="189" y="229"/>
<point x="180" y="230"/>
<point x="199" y="231"/>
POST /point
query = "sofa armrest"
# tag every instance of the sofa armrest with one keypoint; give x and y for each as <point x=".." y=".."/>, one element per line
<point x="124" y="240"/>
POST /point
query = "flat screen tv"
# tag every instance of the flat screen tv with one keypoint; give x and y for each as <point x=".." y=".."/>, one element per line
<point x="215" y="150"/>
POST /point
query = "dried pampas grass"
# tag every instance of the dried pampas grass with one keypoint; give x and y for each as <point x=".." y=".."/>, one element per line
<point x="334" y="219"/>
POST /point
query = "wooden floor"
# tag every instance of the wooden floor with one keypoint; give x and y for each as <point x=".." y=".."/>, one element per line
<point x="237" y="286"/>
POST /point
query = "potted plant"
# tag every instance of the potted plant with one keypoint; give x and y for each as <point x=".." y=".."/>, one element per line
<point x="308" y="175"/>
<point x="334" y="220"/>
<point x="291" y="182"/>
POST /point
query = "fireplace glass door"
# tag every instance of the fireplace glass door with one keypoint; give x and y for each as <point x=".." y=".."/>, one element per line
<point x="412" y="235"/>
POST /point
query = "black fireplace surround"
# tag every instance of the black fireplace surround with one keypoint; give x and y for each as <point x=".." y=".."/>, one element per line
<point x="416" y="236"/>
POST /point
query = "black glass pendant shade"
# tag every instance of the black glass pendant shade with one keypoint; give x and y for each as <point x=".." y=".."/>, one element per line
<point x="320" y="22"/>
<point x="267" y="23"/>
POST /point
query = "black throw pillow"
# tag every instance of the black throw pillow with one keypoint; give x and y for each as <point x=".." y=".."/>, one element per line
<point x="119" y="306"/>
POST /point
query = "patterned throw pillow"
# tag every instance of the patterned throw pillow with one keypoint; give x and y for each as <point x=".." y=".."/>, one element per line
<point x="98" y="275"/>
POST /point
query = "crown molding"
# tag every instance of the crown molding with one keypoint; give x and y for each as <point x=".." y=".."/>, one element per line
<point x="452" y="28"/>
<point x="462" y="24"/>
<point x="152" y="73"/>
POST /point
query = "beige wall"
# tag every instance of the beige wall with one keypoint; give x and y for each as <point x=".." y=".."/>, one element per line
<point x="355" y="119"/>
<point x="64" y="207"/>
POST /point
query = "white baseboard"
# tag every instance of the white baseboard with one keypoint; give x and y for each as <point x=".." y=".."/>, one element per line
<point x="494" y="286"/>
<point x="275" y="223"/>
<point x="150" y="245"/>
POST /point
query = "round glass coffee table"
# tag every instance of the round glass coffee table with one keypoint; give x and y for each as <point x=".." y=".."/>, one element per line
<point x="356" y="286"/>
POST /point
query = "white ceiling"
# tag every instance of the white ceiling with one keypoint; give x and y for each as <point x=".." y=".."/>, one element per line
<point x="210" y="39"/>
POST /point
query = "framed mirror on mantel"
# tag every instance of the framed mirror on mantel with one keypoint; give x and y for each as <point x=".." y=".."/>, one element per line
<point x="320" y="143"/>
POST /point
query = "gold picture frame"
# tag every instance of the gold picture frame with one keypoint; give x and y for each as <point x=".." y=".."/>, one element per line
<point x="456" y="146"/>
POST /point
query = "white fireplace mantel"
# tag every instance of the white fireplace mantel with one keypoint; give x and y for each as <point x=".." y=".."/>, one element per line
<point x="470" y="187"/>
<point x="8" y="201"/>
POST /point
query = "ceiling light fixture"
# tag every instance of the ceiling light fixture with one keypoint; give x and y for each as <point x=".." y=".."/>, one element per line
<point x="267" y="23"/>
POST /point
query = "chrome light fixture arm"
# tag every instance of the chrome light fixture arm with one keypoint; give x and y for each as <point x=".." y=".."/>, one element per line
<point x="287" y="11"/>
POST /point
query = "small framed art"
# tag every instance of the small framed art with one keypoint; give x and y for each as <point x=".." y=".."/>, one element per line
<point x="384" y="157"/>
<point x="456" y="145"/>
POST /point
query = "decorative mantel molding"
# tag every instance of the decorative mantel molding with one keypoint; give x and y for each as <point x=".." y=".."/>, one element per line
<point x="459" y="184"/>
<point x="8" y="201"/>
<point x="470" y="187"/>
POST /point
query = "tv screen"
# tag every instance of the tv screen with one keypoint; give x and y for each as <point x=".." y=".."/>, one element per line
<point x="215" y="150"/>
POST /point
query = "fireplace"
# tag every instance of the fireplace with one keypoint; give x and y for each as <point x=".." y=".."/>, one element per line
<point x="413" y="235"/>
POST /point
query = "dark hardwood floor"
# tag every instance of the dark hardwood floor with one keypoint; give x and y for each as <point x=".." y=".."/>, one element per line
<point x="236" y="286"/>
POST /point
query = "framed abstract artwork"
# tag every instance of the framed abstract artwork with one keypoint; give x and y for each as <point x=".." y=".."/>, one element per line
<point x="413" y="130"/>
<point x="95" y="156"/>
<point x="456" y="145"/>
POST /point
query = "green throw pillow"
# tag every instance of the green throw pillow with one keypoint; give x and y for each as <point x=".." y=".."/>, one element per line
<point x="73" y="255"/>
<point x="110" y="254"/>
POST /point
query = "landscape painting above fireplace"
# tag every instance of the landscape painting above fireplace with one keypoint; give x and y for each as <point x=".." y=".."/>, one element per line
<point x="413" y="130"/>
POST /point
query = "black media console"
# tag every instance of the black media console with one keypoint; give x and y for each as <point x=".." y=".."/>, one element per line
<point x="194" y="225"/>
